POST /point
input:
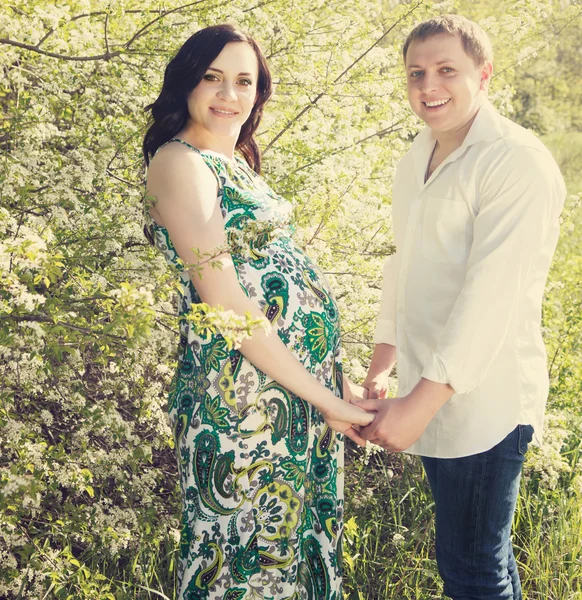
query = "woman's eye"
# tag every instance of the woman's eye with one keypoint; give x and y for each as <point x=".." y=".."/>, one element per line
<point x="245" y="82"/>
<point x="210" y="77"/>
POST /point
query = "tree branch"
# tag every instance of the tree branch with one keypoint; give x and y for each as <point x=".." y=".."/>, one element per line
<point x="385" y="131"/>
<point x="108" y="55"/>
<point x="121" y="180"/>
<point x="258" y="5"/>
<point x="389" y="30"/>
<point x="293" y="121"/>
<point x="105" y="33"/>
<point x="97" y="13"/>
<point x="105" y="56"/>
<point x="544" y="45"/>
<point x="43" y="319"/>
<point x="161" y="16"/>
<point x="337" y="79"/>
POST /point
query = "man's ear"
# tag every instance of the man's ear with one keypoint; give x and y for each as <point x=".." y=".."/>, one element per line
<point x="486" y="73"/>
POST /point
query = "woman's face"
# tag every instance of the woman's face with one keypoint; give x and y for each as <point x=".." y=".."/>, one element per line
<point x="223" y="100"/>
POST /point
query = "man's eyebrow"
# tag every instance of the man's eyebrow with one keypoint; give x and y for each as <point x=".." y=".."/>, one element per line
<point x="440" y="62"/>
<point x="220" y="71"/>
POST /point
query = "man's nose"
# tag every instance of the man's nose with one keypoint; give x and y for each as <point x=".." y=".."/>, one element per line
<point x="429" y="83"/>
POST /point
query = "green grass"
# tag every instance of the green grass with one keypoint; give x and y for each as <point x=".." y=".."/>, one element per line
<point x="549" y="544"/>
<point x="390" y="496"/>
<point x="389" y="529"/>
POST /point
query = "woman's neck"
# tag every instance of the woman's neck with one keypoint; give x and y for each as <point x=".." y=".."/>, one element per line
<point x="204" y="140"/>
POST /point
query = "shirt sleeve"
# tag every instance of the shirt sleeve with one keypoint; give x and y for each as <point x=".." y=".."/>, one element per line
<point x="386" y="326"/>
<point x="521" y="198"/>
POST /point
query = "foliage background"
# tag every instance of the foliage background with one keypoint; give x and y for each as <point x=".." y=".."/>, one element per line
<point x="88" y="497"/>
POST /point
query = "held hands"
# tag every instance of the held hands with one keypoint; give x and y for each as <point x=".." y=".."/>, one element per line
<point x="344" y="417"/>
<point x="398" y="423"/>
<point x="393" y="423"/>
<point x="401" y="421"/>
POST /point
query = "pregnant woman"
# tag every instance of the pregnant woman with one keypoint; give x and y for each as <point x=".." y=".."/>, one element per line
<point x="258" y="429"/>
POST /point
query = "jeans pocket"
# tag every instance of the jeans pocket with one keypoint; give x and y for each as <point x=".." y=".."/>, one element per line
<point x="525" y="437"/>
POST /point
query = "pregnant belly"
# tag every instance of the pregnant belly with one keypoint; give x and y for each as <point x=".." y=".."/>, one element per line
<point x="295" y="297"/>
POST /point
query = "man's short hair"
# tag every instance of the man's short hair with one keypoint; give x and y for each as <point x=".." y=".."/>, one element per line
<point x="475" y="41"/>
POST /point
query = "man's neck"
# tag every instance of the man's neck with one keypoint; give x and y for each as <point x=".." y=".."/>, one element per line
<point x="449" y="141"/>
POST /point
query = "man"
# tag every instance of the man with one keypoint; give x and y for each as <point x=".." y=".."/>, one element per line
<point x="476" y="203"/>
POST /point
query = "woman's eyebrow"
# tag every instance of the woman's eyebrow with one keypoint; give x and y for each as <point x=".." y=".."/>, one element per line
<point x="220" y="71"/>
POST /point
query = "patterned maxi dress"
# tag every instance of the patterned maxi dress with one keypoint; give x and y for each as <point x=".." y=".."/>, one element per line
<point x="261" y="473"/>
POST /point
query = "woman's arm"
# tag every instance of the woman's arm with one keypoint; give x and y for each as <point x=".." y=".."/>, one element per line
<point x="186" y="193"/>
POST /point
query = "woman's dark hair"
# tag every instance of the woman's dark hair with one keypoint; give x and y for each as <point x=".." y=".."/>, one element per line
<point x="169" y="113"/>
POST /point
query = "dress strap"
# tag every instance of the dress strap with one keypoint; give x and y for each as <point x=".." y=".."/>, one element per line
<point x="181" y="141"/>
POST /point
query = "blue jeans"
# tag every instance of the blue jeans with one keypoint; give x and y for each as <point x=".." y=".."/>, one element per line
<point x="475" y="499"/>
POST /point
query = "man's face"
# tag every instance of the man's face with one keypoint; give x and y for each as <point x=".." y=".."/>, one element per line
<point x="445" y="86"/>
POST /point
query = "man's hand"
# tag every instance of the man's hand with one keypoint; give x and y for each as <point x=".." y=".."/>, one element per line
<point x="376" y="386"/>
<point x="376" y="382"/>
<point x="400" y="422"/>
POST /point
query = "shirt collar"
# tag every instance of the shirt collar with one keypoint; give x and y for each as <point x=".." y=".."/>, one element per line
<point x="485" y="127"/>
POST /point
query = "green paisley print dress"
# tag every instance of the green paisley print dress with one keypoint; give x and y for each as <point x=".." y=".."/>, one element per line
<point x="261" y="473"/>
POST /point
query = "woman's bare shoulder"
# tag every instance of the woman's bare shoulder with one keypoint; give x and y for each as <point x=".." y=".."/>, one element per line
<point x="176" y="164"/>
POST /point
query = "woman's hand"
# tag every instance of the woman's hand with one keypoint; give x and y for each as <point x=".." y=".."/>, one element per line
<point x="352" y="390"/>
<point x="342" y="417"/>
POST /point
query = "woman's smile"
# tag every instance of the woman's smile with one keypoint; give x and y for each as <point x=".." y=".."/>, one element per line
<point x="223" y="112"/>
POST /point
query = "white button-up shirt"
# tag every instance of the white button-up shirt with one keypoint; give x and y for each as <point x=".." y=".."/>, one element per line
<point x="462" y="295"/>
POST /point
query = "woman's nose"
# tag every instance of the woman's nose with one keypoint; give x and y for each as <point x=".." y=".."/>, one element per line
<point x="226" y="91"/>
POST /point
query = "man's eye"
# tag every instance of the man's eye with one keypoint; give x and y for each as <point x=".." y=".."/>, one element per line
<point x="447" y="70"/>
<point x="415" y="74"/>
